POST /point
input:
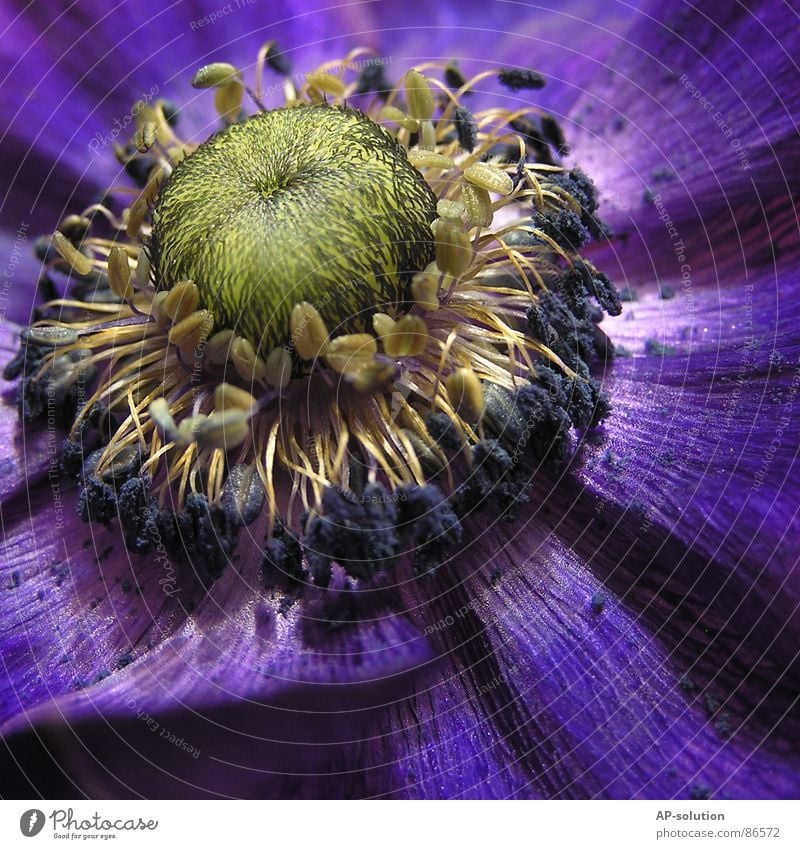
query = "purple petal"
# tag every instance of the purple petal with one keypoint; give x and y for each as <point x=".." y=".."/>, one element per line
<point x="558" y="690"/>
<point x="257" y="702"/>
<point x="738" y="290"/>
<point x="699" y="107"/>
<point x="27" y="452"/>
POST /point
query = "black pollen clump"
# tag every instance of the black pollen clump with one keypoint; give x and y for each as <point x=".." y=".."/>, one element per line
<point x="357" y="531"/>
<point x="444" y="432"/>
<point x="428" y="520"/>
<point x="547" y="422"/>
<point x="466" y="128"/>
<point x="496" y="478"/>
<point x="575" y="334"/>
<point x="372" y="80"/>
<point x="209" y="538"/>
<point x="453" y="76"/>
<point x="138" y="166"/>
<point x="72" y="458"/>
<point x="55" y="391"/>
<point x="516" y="79"/>
<point x="564" y="227"/>
<point x="553" y="132"/>
<point x="587" y="404"/>
<point x="501" y="416"/>
<point x="283" y="557"/>
<point x="98" y="500"/>
<point x="533" y="138"/>
<point x="138" y="515"/>
<point x="603" y="289"/>
<point x="278" y="61"/>
<point x="581" y="187"/>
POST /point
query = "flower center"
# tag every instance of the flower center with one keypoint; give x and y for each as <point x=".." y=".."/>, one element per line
<point x="304" y="204"/>
<point x="355" y="329"/>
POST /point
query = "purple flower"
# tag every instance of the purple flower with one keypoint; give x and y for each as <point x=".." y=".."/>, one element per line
<point x="631" y="634"/>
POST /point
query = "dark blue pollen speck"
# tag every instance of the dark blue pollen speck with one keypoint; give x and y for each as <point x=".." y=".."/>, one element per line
<point x="533" y="138"/>
<point x="283" y="556"/>
<point x="444" y="432"/>
<point x="358" y="531"/>
<point x="428" y="520"/>
<point x="564" y="227"/>
<point x="278" y="61"/>
<point x="372" y="80"/>
<point x="553" y="132"/>
<point x="516" y="79"/>
<point x="466" y="128"/>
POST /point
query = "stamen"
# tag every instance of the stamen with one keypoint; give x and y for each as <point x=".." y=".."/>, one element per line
<point x="517" y="78"/>
<point x="119" y="273"/>
<point x="466" y="394"/>
<point x="419" y="96"/>
<point x="80" y="263"/>
<point x="407" y="338"/>
<point x="489" y="177"/>
<point x="309" y="334"/>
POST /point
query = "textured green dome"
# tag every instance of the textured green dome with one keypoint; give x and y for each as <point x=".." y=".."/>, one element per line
<point x="311" y="203"/>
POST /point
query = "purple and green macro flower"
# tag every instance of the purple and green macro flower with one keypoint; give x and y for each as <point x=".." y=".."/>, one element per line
<point x="402" y="400"/>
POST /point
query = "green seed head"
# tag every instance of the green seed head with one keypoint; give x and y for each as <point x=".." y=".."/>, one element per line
<point x="315" y="204"/>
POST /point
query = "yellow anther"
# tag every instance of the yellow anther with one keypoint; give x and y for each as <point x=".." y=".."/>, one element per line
<point x="185" y="431"/>
<point x="215" y="74"/>
<point x="419" y="96"/>
<point x="430" y="159"/>
<point x="50" y="336"/>
<point x="450" y="209"/>
<point x="249" y="366"/>
<point x="382" y="323"/>
<point x="425" y="291"/>
<point x="181" y="301"/>
<point x="230" y="397"/>
<point x="222" y="430"/>
<point x="466" y="394"/>
<point x="218" y="349"/>
<point x="397" y="116"/>
<point x="453" y="248"/>
<point x="119" y="273"/>
<point x="489" y="177"/>
<point x="162" y="418"/>
<point x="192" y="332"/>
<point x="75" y="227"/>
<point x="349" y="353"/>
<point x="326" y="83"/>
<point x="407" y="338"/>
<point x="145" y="137"/>
<point x="136" y="215"/>
<point x="478" y="205"/>
<point x="79" y="262"/>
<point x="427" y="133"/>
<point x="157" y="309"/>
<point x="279" y="368"/>
<point x="142" y="269"/>
<point x="309" y="334"/>
<point x="373" y="374"/>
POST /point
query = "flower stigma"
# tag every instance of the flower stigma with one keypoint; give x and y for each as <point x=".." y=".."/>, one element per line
<point x="355" y="326"/>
